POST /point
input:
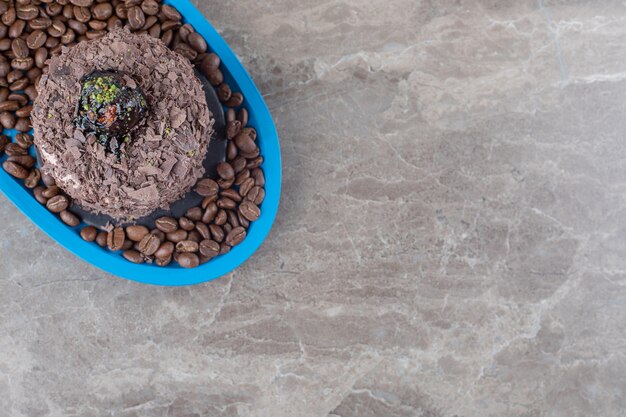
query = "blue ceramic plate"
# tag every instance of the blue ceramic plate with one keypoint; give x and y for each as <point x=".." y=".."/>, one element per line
<point x="259" y="118"/>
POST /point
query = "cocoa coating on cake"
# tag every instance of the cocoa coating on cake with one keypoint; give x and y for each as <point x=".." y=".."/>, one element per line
<point x="164" y="158"/>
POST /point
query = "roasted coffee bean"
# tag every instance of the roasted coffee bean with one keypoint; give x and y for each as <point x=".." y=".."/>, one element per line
<point x="14" y="76"/>
<point x="231" y="151"/>
<point x="54" y="9"/>
<point x="101" y="239"/>
<point x="70" y="218"/>
<point x="231" y="115"/>
<point x="51" y="191"/>
<point x="133" y="256"/>
<point x="197" y="42"/>
<point x="4" y="140"/>
<point x="23" y="125"/>
<point x="36" y="39"/>
<point x="242" y="116"/>
<point x="26" y="161"/>
<point x="236" y="100"/>
<point x="186" y="51"/>
<point x="40" y="23"/>
<point x="208" y="200"/>
<point x="236" y="236"/>
<point x="136" y="18"/>
<point x="224" y="93"/>
<point x="165" y="249"/>
<point x="13" y="149"/>
<point x="41" y="55"/>
<point x="188" y="260"/>
<point x="82" y="3"/>
<point x="166" y="224"/>
<point x="97" y="25"/>
<point x="95" y="34"/>
<point x="27" y="12"/>
<point x="221" y="217"/>
<point x="232" y="127"/>
<point x="242" y="177"/>
<point x="186" y="224"/>
<point x="217" y="232"/>
<point x="170" y="13"/>
<point x="89" y="233"/>
<point x="121" y="11"/>
<point x="149" y="244"/>
<point x="233" y="218"/>
<point x="194" y="236"/>
<point x="4" y="30"/>
<point x="12" y="106"/>
<point x="177" y="236"/>
<point x="16" y="170"/>
<point x="7" y="120"/>
<point x="170" y="25"/>
<point x="150" y="7"/>
<point x="187" y="246"/>
<point x="68" y="37"/>
<point x="206" y="187"/>
<point x="225" y="248"/>
<point x="246" y="186"/>
<point x="57" y="29"/>
<point x="209" y="213"/>
<point x="52" y="42"/>
<point x="243" y="222"/>
<point x="162" y="262"/>
<point x="24" y="111"/>
<point x="155" y="31"/>
<point x="47" y="180"/>
<point x="58" y="203"/>
<point x="4" y="94"/>
<point x="209" y="248"/>
<point x="114" y="22"/>
<point x="256" y="195"/>
<point x="77" y="27"/>
<point x="81" y="14"/>
<point x="9" y="17"/>
<point x="225" y="170"/>
<point x="249" y="210"/>
<point x="239" y="164"/>
<point x="227" y="228"/>
<point x="19" y="48"/>
<point x="38" y="196"/>
<point x="128" y="244"/>
<point x="203" y="229"/>
<point x="226" y="203"/>
<point x="20" y="98"/>
<point x="224" y="184"/>
<point x="150" y="21"/>
<point x="194" y="213"/>
<point x="245" y="142"/>
<point x="215" y="77"/>
<point x="255" y="163"/>
<point x="68" y="12"/>
<point x="31" y="92"/>
<point x="5" y="45"/>
<point x="33" y="179"/>
<point x="4" y="7"/>
<point x="158" y="234"/>
<point x="231" y="194"/>
<point x="115" y="239"/>
<point x="102" y="11"/>
<point x="211" y="61"/>
<point x="33" y="74"/>
<point x="167" y="36"/>
<point x="24" y="65"/>
<point x="259" y="178"/>
<point x="136" y="232"/>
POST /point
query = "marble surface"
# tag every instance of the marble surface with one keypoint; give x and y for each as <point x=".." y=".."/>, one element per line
<point x="451" y="239"/>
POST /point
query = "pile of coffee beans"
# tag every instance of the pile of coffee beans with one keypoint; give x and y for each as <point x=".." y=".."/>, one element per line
<point x="31" y="31"/>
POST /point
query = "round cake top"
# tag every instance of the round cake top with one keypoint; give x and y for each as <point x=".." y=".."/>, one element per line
<point x="160" y="154"/>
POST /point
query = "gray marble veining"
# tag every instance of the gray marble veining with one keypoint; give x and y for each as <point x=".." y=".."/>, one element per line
<point x="450" y="242"/>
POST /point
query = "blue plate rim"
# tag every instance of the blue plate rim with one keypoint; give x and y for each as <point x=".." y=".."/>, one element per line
<point x="114" y="263"/>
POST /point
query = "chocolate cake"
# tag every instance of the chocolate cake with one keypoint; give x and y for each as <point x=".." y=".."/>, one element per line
<point x="156" y="159"/>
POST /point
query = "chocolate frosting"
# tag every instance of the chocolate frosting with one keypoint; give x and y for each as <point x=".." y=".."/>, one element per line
<point x="164" y="159"/>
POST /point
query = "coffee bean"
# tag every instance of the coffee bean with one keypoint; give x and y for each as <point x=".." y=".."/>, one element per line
<point x="166" y="224"/>
<point x="12" y="106"/>
<point x="68" y="12"/>
<point x="40" y="23"/>
<point x="89" y="233"/>
<point x="4" y="6"/>
<point x="23" y="125"/>
<point x="225" y="170"/>
<point x="243" y="222"/>
<point x="259" y="178"/>
<point x="158" y="234"/>
<point x="27" y="12"/>
<point x="162" y="262"/>
<point x="233" y="218"/>
<point x="101" y="239"/>
<point x="197" y="42"/>
<point x="187" y="246"/>
<point x="194" y="236"/>
<point x="165" y="249"/>
<point x="9" y="17"/>
<point x="246" y="186"/>
<point x="230" y="194"/>
<point x="31" y="92"/>
<point x="249" y="210"/>
<point x="215" y="76"/>
<point x="186" y="51"/>
<point x="70" y="218"/>
<point x="136" y="18"/>
<point x="14" y="169"/>
<point x="239" y="164"/>
<point x="170" y="25"/>
<point x="136" y="232"/>
<point x="97" y="25"/>
<point x="5" y="44"/>
<point x="224" y="93"/>
<point x="255" y="163"/>
<point x="54" y="9"/>
<point x="226" y="203"/>
<point x="102" y="11"/>
<point x="14" y="76"/>
<point x="51" y="191"/>
<point x="121" y="11"/>
<point x="177" y="236"/>
<point x="236" y="100"/>
<point x="20" y="98"/>
<point x="57" y="29"/>
<point x="133" y="256"/>
<point x="220" y="218"/>
<point x="203" y="229"/>
<point x="186" y="224"/>
<point x="26" y="161"/>
<point x="208" y="200"/>
<point x="4" y="140"/>
<point x="150" y="21"/>
<point x="188" y="260"/>
<point x="95" y="34"/>
<point x="19" y="48"/>
<point x="127" y="245"/>
<point x="155" y="31"/>
<point x="58" y="203"/>
<point x="33" y="179"/>
<point x="24" y="111"/>
<point x="209" y="213"/>
<point x="114" y="22"/>
<point x="236" y="236"/>
<point x="256" y="195"/>
<point x="82" y="3"/>
<point x="150" y="7"/>
<point x="22" y="64"/>
<point x="47" y="180"/>
<point x="33" y="75"/>
<point x="245" y="142"/>
<point x="205" y="187"/>
<point x="217" y="232"/>
<point x="224" y="184"/>
<point x="77" y="27"/>
<point x="194" y="213"/>
<point x="149" y="244"/>
<point x="242" y="116"/>
<point x="68" y="37"/>
<point x="184" y="32"/>
<point x="209" y="248"/>
<point x="167" y="36"/>
<point x="36" y="39"/>
<point x="232" y="127"/>
<point x="4" y="94"/>
<point x="231" y="151"/>
<point x="242" y="177"/>
<point x="224" y="248"/>
<point x="115" y="239"/>
<point x="41" y="55"/>
<point x="170" y="13"/>
<point x="52" y="42"/>
<point x="38" y="196"/>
